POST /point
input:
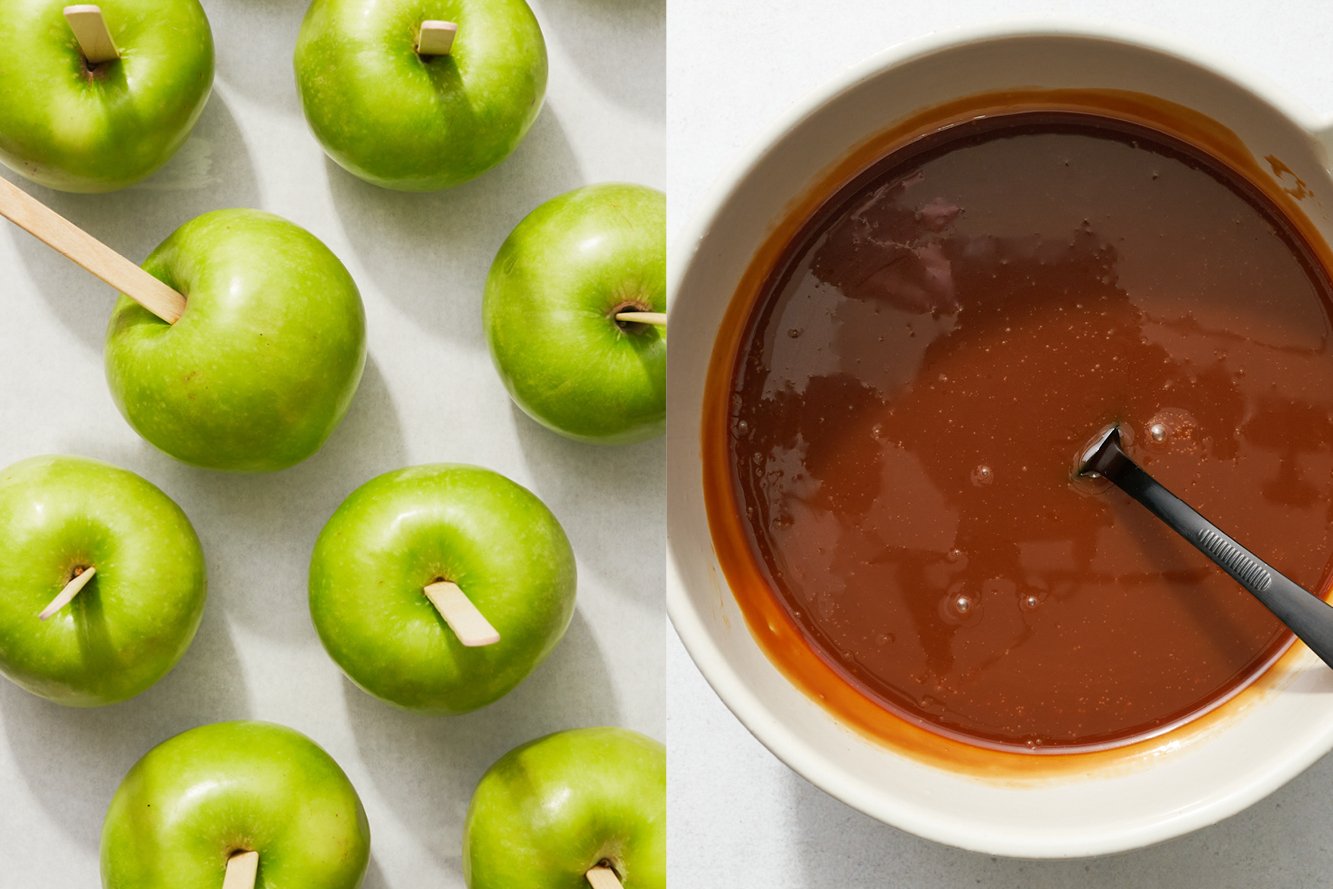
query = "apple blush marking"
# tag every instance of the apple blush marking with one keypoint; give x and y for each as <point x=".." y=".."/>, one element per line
<point x="603" y="877"/>
<point x="469" y="625"/>
<point x="242" y="870"/>
<point x="92" y="33"/>
<point x="71" y="589"/>
<point x="436" y="38"/>
<point x="75" y="244"/>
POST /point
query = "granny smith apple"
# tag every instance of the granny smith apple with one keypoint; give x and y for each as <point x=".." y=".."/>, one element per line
<point x="198" y="799"/>
<point x="552" y="300"/>
<point x="414" y="122"/>
<point x="77" y="126"/>
<point x="63" y="518"/>
<point x="409" y="529"/>
<point x="265" y="360"/>
<point x="552" y="810"/>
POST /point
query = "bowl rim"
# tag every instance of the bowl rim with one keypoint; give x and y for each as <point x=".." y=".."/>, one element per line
<point x="811" y="763"/>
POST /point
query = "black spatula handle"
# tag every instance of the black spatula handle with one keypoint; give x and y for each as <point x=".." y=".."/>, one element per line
<point x="1308" y="616"/>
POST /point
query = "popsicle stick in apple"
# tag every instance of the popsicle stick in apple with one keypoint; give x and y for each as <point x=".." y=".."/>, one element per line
<point x="265" y="360"/>
<point x="580" y="807"/>
<point x="94" y="98"/>
<point x="657" y="319"/>
<point x="126" y="571"/>
<point x="603" y="877"/>
<point x="235" y="805"/>
<point x="75" y="586"/>
<point x="469" y="624"/>
<point x="75" y="244"/>
<point x="242" y="871"/>
<point x="436" y="38"/>
<point x="91" y="31"/>
<point x="404" y="538"/>
<point x="575" y="313"/>
<point x="419" y="95"/>
<point x="251" y="372"/>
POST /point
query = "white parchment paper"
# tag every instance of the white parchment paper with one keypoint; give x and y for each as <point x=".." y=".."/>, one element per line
<point x="429" y="394"/>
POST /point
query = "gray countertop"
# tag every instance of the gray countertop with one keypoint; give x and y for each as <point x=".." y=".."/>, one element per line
<point x="739" y="818"/>
<point x="429" y="395"/>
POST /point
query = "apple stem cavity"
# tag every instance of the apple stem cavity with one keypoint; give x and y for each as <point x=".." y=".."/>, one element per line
<point x="66" y="595"/>
<point x="242" y="869"/>
<point x="90" y="29"/>
<point x="469" y="625"/>
<point x="603" y="877"/>
<point x="75" y="244"/>
<point x="436" y="38"/>
<point x="657" y="319"/>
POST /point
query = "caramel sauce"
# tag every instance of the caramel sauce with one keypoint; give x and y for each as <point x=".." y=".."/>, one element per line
<point x="911" y="369"/>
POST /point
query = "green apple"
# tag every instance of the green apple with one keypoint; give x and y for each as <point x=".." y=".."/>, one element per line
<point x="418" y="123"/>
<point x="405" y="530"/>
<point x="80" y="127"/>
<point x="555" y="808"/>
<point x="130" y="624"/>
<point x="552" y="298"/>
<point x="264" y="362"/>
<point x="207" y="794"/>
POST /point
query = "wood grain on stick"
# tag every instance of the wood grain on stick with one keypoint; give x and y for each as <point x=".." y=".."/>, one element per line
<point x="242" y="870"/>
<point x="602" y="877"/>
<point x="469" y="625"/>
<point x="72" y="242"/>
<point x="658" y="319"/>
<point x="66" y="595"/>
<point x="90" y="29"/>
<point x="436" y="38"/>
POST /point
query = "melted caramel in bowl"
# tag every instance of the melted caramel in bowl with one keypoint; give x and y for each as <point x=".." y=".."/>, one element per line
<point x="926" y="358"/>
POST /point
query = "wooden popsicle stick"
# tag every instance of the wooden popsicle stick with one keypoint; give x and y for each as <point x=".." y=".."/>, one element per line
<point x="242" y="869"/>
<point x="72" y="242"/>
<point x="89" y="27"/>
<point x="436" y="38"/>
<point x="469" y="625"/>
<point x="655" y="318"/>
<point x="66" y="595"/>
<point x="603" y="877"/>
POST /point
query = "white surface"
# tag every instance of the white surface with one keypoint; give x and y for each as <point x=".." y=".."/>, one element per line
<point x="722" y="94"/>
<point x="429" y="394"/>
<point x="1183" y="783"/>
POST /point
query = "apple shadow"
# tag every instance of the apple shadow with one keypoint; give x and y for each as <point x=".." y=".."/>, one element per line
<point x="73" y="760"/>
<point x="211" y="170"/>
<point x="262" y="515"/>
<point x="374" y="878"/>
<point x="838" y="846"/>
<point x="426" y="767"/>
<point x="634" y="76"/>
<point x="627" y="482"/>
<point x="451" y="235"/>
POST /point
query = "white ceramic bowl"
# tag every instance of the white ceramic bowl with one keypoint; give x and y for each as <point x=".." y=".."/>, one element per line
<point x="1186" y="779"/>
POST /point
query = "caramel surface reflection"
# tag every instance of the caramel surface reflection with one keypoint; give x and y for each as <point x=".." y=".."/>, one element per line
<point x="927" y="360"/>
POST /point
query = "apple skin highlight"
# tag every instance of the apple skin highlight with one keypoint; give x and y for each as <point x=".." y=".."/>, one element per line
<point x="203" y="795"/>
<point x="406" y="529"/>
<point x="130" y="625"/>
<point x="549" y="310"/>
<point x="70" y="128"/>
<point x="263" y="364"/>
<point x="551" y="810"/>
<point x="408" y="122"/>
